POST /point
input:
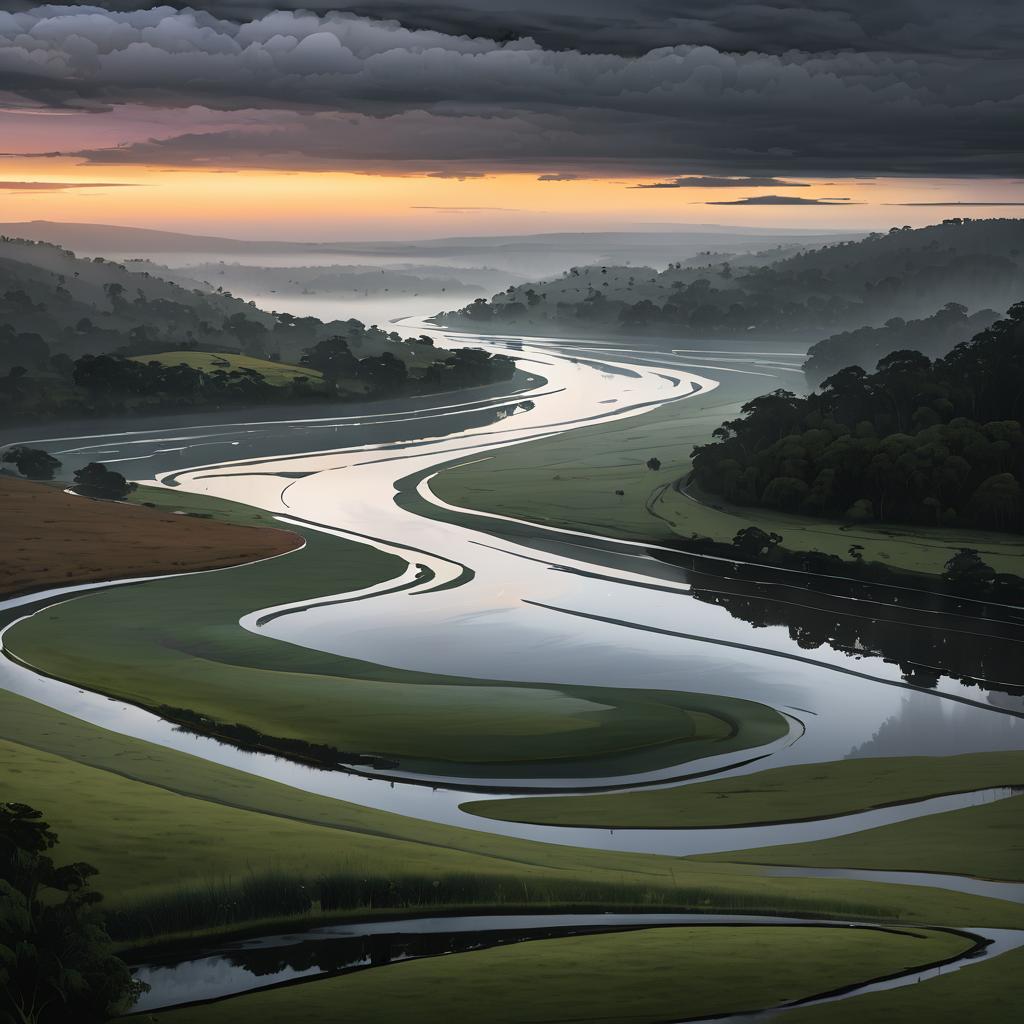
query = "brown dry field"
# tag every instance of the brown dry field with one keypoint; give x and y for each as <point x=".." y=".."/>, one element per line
<point x="53" y="539"/>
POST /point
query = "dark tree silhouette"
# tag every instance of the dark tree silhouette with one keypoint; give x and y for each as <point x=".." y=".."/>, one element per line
<point x="35" y="463"/>
<point x="56" y="964"/>
<point x="96" y="481"/>
<point x="753" y="542"/>
<point x="936" y="443"/>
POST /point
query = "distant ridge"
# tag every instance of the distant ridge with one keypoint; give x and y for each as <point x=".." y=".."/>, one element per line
<point x="120" y="239"/>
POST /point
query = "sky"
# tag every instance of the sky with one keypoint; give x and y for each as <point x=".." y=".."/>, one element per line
<point x="406" y="118"/>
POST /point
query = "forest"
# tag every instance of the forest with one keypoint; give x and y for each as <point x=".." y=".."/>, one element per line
<point x="917" y="441"/>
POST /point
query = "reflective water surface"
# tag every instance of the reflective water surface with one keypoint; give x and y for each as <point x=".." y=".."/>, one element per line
<point x="855" y="676"/>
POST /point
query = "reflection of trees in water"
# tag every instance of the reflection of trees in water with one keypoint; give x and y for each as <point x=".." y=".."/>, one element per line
<point x="928" y="727"/>
<point x="926" y="645"/>
<point x="336" y="955"/>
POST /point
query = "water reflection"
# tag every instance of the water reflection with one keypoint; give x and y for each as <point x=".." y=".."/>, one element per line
<point x="928" y="645"/>
<point x="233" y="968"/>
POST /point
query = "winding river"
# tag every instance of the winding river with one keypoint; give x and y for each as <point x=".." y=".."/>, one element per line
<point x="562" y="606"/>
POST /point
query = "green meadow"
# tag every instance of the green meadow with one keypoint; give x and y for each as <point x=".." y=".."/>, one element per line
<point x="177" y="643"/>
<point x="275" y="373"/>
<point x="642" y="977"/>
<point x="571" y="481"/>
<point x="793" y="793"/>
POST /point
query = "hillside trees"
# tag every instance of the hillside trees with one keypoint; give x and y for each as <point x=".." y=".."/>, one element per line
<point x="936" y="443"/>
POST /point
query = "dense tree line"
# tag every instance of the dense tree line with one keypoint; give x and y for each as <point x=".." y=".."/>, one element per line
<point x="905" y="273"/>
<point x="917" y="441"/>
<point x="934" y="336"/>
<point x="114" y="384"/>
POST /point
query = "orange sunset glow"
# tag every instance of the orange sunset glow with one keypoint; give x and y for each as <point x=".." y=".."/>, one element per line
<point x="324" y="205"/>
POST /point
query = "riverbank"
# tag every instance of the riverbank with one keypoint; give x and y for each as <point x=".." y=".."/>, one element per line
<point x="161" y="824"/>
<point x="795" y="793"/>
<point x="56" y="539"/>
<point x="596" y="479"/>
<point x="981" y="842"/>
<point x="177" y="647"/>
<point x="644" y="976"/>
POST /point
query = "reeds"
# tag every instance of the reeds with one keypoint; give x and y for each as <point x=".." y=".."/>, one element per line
<point x="279" y="895"/>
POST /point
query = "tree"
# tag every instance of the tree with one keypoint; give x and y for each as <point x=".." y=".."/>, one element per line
<point x="967" y="573"/>
<point x="333" y="358"/>
<point x="96" y="481"/>
<point x="385" y="374"/>
<point x="786" y="493"/>
<point x="998" y="502"/>
<point x="34" y="463"/>
<point x="654" y="463"/>
<point x="56" y="963"/>
<point x="753" y="542"/>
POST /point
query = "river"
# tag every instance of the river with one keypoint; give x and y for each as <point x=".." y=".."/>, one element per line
<point x="561" y="606"/>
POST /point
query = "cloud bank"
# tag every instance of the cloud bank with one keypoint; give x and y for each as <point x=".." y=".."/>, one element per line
<point x="948" y="104"/>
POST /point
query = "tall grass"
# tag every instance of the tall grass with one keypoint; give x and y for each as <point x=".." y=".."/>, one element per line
<point x="277" y="895"/>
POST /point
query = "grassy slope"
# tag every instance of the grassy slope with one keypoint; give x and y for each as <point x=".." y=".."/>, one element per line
<point x="53" y="539"/>
<point x="153" y="819"/>
<point x="779" y="794"/>
<point x="177" y="642"/>
<point x="985" y="841"/>
<point x="570" y="481"/>
<point x="985" y="993"/>
<point x="278" y="374"/>
<point x="915" y="548"/>
<point x="640" y="977"/>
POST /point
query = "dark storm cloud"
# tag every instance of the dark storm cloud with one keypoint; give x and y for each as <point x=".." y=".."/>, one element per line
<point x="636" y="26"/>
<point x="951" y="103"/>
<point x="782" y="201"/>
<point x="713" y="181"/>
<point x="558" y="176"/>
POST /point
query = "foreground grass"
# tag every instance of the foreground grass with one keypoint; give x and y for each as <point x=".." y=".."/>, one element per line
<point x="793" y="793"/>
<point x="277" y="374"/>
<point x="161" y="825"/>
<point x="985" y="841"/>
<point x="985" y="993"/>
<point x="177" y="643"/>
<point x="639" y="977"/>
<point x="570" y="481"/>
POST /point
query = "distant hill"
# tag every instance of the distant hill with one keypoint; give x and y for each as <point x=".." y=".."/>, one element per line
<point x="113" y="238"/>
<point x="523" y="256"/>
<point x="82" y="305"/>
<point x="905" y="273"/>
<point x="82" y="337"/>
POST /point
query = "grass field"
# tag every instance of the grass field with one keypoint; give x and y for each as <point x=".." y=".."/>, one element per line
<point x="570" y="481"/>
<point x="53" y="539"/>
<point x="639" y="977"/>
<point x="278" y="374"/>
<point x="985" y="841"/>
<point x="178" y="643"/>
<point x="156" y="821"/>
<point x="779" y="794"/>
<point x="987" y="993"/>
